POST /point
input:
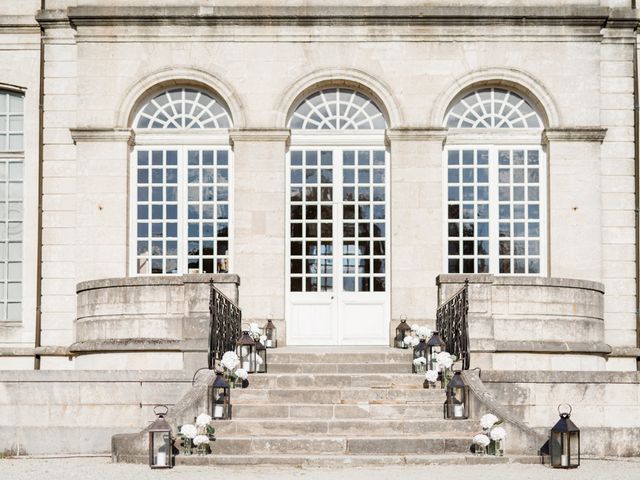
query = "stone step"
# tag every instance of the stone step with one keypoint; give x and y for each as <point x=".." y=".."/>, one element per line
<point x="340" y="411"/>
<point x="336" y="461"/>
<point x="335" y="380"/>
<point x="337" y="396"/>
<point x="357" y="427"/>
<point x="435" y="444"/>
<point x="381" y="355"/>
<point x="400" y="367"/>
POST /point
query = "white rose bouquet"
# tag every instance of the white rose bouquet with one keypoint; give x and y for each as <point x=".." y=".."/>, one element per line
<point x="481" y="441"/>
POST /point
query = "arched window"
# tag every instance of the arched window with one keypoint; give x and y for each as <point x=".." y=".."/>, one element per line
<point x="183" y="108"/>
<point x="182" y="184"/>
<point x="496" y="190"/>
<point x="11" y="201"/>
<point x="337" y="109"/>
<point x="337" y="220"/>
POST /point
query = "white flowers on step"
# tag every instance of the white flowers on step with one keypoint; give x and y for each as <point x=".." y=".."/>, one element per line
<point x="497" y="434"/>
<point x="431" y="376"/>
<point x="489" y="420"/>
<point x="203" y="419"/>
<point x="230" y="360"/>
<point x="200" y="440"/>
<point x="188" y="430"/>
<point x="444" y="360"/>
<point x="242" y="374"/>
<point x="481" y="440"/>
<point x="419" y="361"/>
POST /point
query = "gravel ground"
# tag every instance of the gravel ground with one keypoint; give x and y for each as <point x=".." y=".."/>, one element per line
<point x="100" y="468"/>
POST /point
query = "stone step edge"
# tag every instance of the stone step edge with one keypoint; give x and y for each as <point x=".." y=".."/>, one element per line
<point x="334" y="460"/>
<point x="337" y="437"/>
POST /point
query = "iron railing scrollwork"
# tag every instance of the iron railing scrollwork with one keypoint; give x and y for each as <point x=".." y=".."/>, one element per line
<point x="452" y="324"/>
<point x="225" y="319"/>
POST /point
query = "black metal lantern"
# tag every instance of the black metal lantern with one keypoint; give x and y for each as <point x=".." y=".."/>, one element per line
<point x="564" y="442"/>
<point x="457" y="403"/>
<point x="160" y="440"/>
<point x="220" y="398"/>
<point x="402" y="330"/>
<point x="271" y="333"/>
<point x="435" y="345"/>
<point x="261" y="357"/>
<point x="420" y="357"/>
<point x="246" y="351"/>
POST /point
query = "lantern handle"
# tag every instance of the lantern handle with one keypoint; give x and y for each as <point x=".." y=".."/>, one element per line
<point x="166" y="410"/>
<point x="403" y="318"/>
<point x="566" y="413"/>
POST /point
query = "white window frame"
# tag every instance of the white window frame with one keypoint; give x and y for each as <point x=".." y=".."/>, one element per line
<point x="489" y="139"/>
<point x="182" y="141"/>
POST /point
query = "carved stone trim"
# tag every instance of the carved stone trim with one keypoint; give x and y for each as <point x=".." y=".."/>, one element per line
<point x="574" y="134"/>
<point x="102" y="135"/>
<point x="259" y="135"/>
<point x="437" y="134"/>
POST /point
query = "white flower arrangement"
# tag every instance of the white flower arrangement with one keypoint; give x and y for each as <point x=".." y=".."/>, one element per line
<point x="189" y="431"/>
<point x="263" y="338"/>
<point x="444" y="360"/>
<point x="255" y="330"/>
<point x="431" y="376"/>
<point x="242" y="374"/>
<point x="420" y="360"/>
<point x="423" y="332"/>
<point x="497" y="434"/>
<point x="488" y="420"/>
<point x="415" y="327"/>
<point x="415" y="341"/>
<point x="203" y="419"/>
<point x="408" y="340"/>
<point x="230" y="361"/>
<point x="200" y="440"/>
<point x="481" y="440"/>
<point x="258" y="360"/>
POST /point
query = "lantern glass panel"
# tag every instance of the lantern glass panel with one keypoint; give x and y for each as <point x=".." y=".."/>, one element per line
<point x="161" y="448"/>
<point x="574" y="449"/>
<point x="556" y="450"/>
<point x="261" y="359"/>
<point x="221" y="403"/>
<point x="271" y="333"/>
<point x="402" y="330"/>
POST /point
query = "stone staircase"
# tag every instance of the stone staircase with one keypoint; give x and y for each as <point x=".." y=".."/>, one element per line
<point x="338" y="406"/>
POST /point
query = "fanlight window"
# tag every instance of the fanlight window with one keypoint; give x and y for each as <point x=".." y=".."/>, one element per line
<point x="183" y="108"/>
<point x="493" y="108"/>
<point x="337" y="109"/>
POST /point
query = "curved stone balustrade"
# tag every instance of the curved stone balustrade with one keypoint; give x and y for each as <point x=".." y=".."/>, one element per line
<point x="145" y="322"/>
<point x="526" y="323"/>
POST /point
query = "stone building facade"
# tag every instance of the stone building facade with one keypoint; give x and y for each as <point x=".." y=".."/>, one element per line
<point x="334" y="161"/>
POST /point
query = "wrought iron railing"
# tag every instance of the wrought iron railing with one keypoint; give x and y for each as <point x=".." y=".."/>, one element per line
<point x="452" y="324"/>
<point x="224" y="324"/>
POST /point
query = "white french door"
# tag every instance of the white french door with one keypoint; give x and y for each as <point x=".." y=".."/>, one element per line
<point x="337" y="244"/>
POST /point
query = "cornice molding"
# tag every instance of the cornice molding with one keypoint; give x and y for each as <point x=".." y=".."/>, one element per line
<point x="416" y="134"/>
<point x="341" y="14"/>
<point x="102" y="135"/>
<point x="574" y="134"/>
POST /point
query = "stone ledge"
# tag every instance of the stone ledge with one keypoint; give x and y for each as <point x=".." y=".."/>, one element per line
<point x="578" y="15"/>
<point x="576" y="134"/>
<point x="102" y="135"/>
<point x="416" y="134"/>
<point x="47" y="351"/>
<point x="81" y="376"/>
<point x="632" y="352"/>
<point x="259" y="135"/>
<point x="459" y="278"/>
<point x="552" y="347"/>
<point x="136" y="345"/>
<point x="558" y="377"/>
<point x="152" y="280"/>
<point x="126" y="345"/>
